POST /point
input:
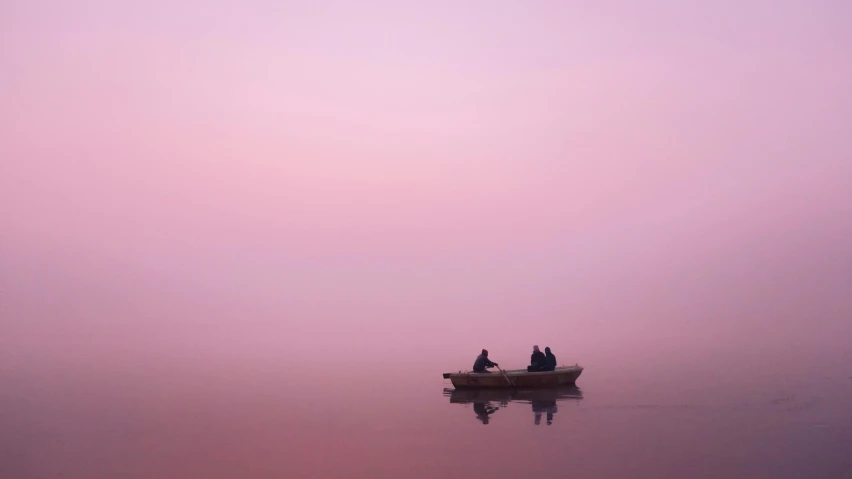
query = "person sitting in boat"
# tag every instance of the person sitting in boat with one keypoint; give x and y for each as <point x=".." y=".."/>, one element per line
<point x="482" y="362"/>
<point x="536" y="360"/>
<point x="549" y="360"/>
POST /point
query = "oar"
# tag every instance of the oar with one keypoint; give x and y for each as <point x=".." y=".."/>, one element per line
<point x="507" y="377"/>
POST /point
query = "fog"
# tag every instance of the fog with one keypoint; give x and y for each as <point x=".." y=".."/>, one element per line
<point x="305" y="185"/>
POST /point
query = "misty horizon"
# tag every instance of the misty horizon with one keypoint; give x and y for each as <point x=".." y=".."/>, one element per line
<point x="259" y="230"/>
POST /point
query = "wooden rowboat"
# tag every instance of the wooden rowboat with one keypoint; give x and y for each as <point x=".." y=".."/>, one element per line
<point x="516" y="378"/>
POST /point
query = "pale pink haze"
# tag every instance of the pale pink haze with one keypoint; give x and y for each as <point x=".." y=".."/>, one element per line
<point x="267" y="178"/>
<point x="244" y="238"/>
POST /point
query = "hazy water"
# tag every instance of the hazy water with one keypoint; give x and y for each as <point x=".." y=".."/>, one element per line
<point x="168" y="415"/>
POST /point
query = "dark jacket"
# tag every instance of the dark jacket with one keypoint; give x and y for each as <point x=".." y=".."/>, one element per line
<point x="481" y="363"/>
<point x="549" y="361"/>
<point x="537" y="359"/>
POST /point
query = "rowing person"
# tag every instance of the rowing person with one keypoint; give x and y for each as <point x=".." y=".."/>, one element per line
<point x="482" y="362"/>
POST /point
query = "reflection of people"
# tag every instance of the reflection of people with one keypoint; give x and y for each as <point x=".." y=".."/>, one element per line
<point x="536" y="360"/>
<point x="488" y="401"/>
<point x="483" y="362"/>
<point x="547" y="406"/>
<point x="549" y="360"/>
<point x="483" y="410"/>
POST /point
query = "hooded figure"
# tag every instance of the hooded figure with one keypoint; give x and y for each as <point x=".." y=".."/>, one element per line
<point x="536" y="360"/>
<point x="549" y="360"/>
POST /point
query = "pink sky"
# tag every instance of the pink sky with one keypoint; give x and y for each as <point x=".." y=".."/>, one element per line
<point x="267" y="173"/>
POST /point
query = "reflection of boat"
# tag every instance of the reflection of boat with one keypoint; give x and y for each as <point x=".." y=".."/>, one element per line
<point x="488" y="401"/>
<point x="505" y="396"/>
<point x="518" y="378"/>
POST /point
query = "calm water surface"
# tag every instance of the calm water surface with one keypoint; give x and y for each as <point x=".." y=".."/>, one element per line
<point x="166" y="416"/>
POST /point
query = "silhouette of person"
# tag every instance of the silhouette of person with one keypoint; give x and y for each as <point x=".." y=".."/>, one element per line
<point x="536" y="360"/>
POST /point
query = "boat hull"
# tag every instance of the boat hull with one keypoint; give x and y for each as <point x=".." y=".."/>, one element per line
<point x="563" y="376"/>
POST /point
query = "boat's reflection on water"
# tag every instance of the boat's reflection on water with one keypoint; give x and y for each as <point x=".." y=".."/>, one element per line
<point x="486" y="402"/>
